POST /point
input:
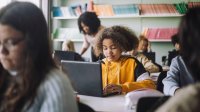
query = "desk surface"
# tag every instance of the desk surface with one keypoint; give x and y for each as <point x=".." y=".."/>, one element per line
<point x="104" y="104"/>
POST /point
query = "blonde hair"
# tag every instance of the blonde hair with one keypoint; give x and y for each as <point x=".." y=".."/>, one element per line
<point x="68" y="45"/>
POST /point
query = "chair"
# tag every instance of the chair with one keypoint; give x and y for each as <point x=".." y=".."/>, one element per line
<point x="160" y="85"/>
<point x="150" y="104"/>
<point x="132" y="98"/>
<point x="171" y="55"/>
<point x="150" y="55"/>
<point x="84" y="108"/>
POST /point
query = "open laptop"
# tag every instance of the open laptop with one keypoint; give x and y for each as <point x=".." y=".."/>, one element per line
<point x="85" y="77"/>
<point x="66" y="55"/>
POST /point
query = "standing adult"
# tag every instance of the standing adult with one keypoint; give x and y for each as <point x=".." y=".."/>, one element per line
<point x="90" y="25"/>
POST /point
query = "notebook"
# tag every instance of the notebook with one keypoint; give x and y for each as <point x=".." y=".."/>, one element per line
<point x="85" y="77"/>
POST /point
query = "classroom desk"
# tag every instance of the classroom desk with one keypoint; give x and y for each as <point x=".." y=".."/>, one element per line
<point x="104" y="104"/>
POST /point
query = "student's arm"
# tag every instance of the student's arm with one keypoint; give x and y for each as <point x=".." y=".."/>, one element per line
<point x="171" y="82"/>
<point x="83" y="50"/>
<point x="142" y="80"/>
<point x="145" y="83"/>
<point x="148" y="64"/>
<point x="85" y="45"/>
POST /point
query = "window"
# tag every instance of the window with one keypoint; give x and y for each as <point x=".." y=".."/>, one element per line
<point x="4" y="2"/>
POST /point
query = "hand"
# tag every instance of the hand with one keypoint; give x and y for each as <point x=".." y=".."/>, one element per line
<point x="176" y="91"/>
<point x="112" y="88"/>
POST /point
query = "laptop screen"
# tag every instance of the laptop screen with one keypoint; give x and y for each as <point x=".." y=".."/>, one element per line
<point x="85" y="77"/>
<point x="66" y="55"/>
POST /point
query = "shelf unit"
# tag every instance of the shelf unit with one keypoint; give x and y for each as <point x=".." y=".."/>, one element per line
<point x="135" y="22"/>
<point x="74" y="40"/>
<point x="159" y="40"/>
<point x="126" y="16"/>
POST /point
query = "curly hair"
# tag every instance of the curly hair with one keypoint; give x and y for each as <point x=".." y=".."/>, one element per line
<point x="122" y="36"/>
<point x="91" y="20"/>
<point x="189" y="39"/>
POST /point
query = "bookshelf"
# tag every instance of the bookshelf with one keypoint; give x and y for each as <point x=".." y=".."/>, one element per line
<point x="136" y="22"/>
<point x="126" y="16"/>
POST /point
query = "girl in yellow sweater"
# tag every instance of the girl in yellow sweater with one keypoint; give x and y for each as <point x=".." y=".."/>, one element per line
<point x="121" y="74"/>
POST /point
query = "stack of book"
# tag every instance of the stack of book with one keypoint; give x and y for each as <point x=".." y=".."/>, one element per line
<point x="181" y="7"/>
<point x="130" y="9"/>
<point x="158" y="9"/>
<point x="103" y="10"/>
<point x="72" y="10"/>
<point x="66" y="33"/>
<point x="124" y="9"/>
<point x="193" y="4"/>
<point x="159" y="33"/>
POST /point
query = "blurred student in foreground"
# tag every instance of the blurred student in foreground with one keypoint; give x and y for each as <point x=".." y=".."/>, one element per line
<point x="121" y="74"/>
<point x="29" y="78"/>
<point x="188" y="98"/>
<point x="179" y="74"/>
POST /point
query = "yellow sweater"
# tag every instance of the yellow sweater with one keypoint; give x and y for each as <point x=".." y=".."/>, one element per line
<point x="125" y="73"/>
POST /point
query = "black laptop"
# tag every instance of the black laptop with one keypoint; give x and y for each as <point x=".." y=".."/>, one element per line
<point x="85" y="77"/>
<point x="66" y="55"/>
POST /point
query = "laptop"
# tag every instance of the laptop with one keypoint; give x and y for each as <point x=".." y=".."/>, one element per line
<point x="66" y="55"/>
<point x="85" y="77"/>
<point x="150" y="55"/>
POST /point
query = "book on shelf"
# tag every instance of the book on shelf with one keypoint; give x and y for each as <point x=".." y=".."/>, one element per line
<point x="103" y="10"/>
<point x="90" y="6"/>
<point x="193" y="4"/>
<point x="65" y="11"/>
<point x="62" y="12"/>
<point x="158" y="9"/>
<point x="76" y="10"/>
<point x="123" y="9"/>
<point x="71" y="10"/>
<point x="159" y="33"/>
<point x="57" y="12"/>
<point x="66" y="33"/>
<point x="129" y="9"/>
<point x="181" y="7"/>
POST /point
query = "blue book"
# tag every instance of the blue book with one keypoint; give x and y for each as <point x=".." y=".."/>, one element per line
<point x="57" y="12"/>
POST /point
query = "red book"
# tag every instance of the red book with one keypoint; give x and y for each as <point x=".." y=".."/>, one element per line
<point x="90" y="6"/>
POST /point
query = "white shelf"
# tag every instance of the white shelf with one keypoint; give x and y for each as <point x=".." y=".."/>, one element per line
<point x="159" y="40"/>
<point x="162" y="15"/>
<point x="126" y="16"/>
<point x="81" y="40"/>
<point x="74" y="40"/>
<point x="65" y="17"/>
